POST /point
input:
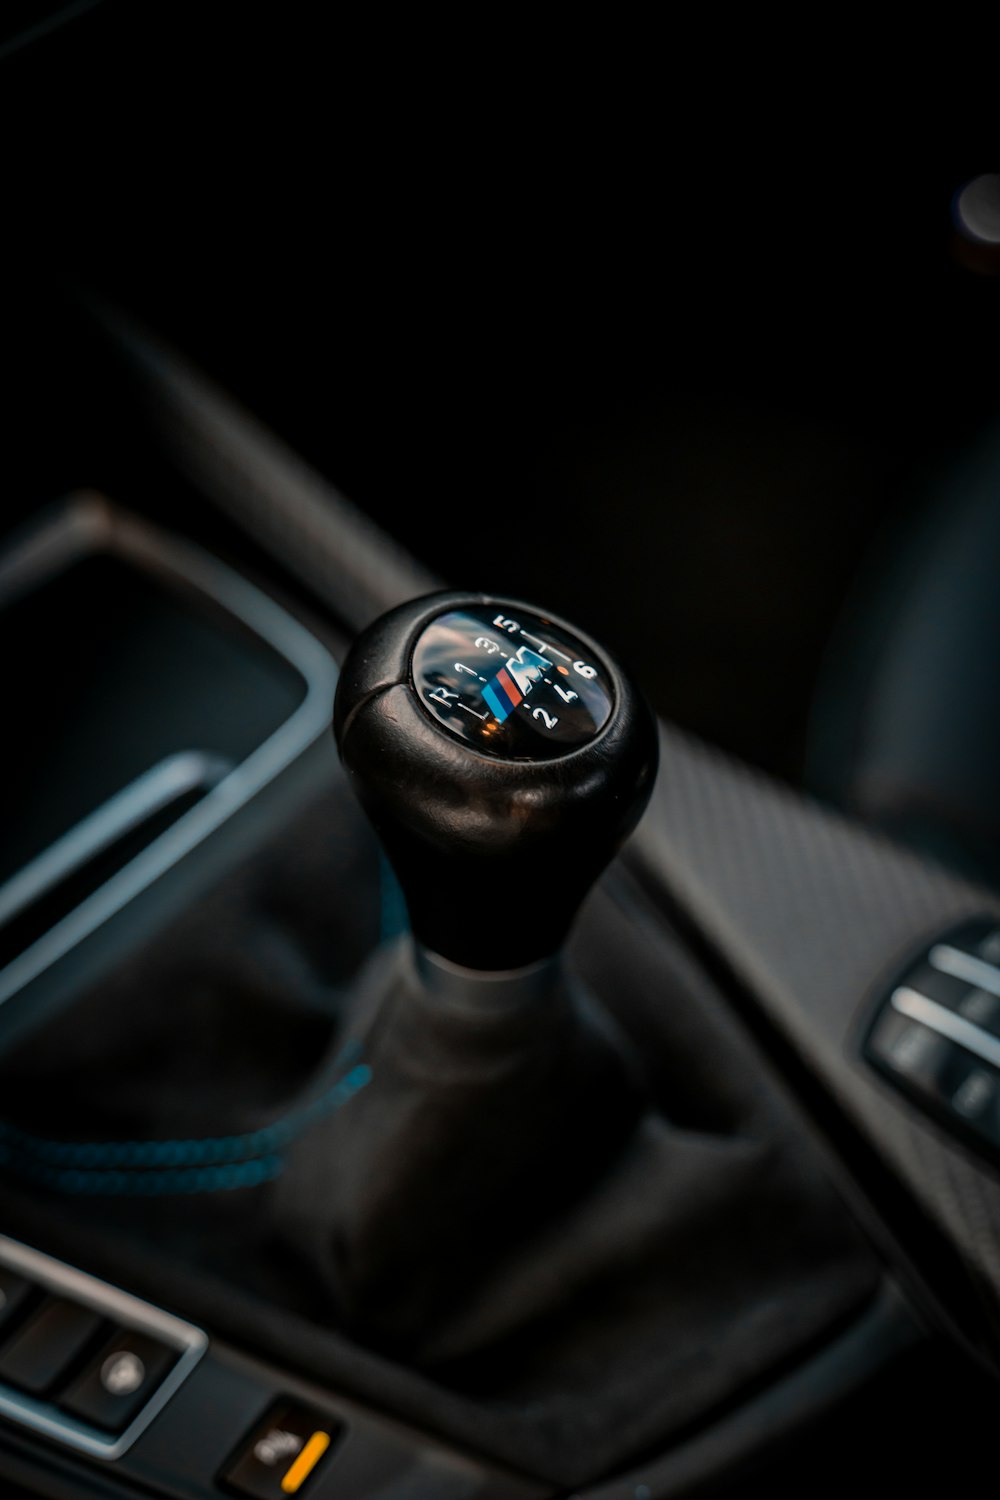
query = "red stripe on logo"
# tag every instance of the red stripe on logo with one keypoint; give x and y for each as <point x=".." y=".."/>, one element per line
<point x="509" y="686"/>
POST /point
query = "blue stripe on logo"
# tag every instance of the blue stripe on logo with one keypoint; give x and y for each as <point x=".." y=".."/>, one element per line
<point x="499" y="709"/>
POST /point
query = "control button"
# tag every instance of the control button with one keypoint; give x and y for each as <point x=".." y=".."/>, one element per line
<point x="943" y="1073"/>
<point x="962" y="982"/>
<point x="45" y="1348"/>
<point x="981" y="1008"/>
<point x="15" y="1295"/>
<point x="975" y="1094"/>
<point x="938" y="984"/>
<point x="912" y="1050"/>
<point x="282" y="1453"/>
<point x="989" y="946"/>
<point x="119" y="1380"/>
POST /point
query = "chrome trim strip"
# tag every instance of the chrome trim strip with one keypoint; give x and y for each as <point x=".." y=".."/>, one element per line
<point x="149" y="794"/>
<point x="960" y="965"/>
<point x="955" y="1028"/>
<point x="121" y="1307"/>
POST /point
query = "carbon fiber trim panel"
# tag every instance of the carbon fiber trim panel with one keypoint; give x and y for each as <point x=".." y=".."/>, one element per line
<point x="814" y="916"/>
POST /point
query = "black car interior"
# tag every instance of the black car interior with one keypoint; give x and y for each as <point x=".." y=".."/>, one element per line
<point x="499" y="933"/>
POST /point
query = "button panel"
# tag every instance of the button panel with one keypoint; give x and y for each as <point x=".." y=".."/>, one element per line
<point x="937" y="1035"/>
<point x="83" y="1362"/>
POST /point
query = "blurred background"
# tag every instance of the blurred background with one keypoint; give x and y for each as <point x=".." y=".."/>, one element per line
<point x="552" y="309"/>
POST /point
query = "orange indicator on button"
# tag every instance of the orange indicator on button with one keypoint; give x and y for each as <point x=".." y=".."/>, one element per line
<point x="306" y="1462"/>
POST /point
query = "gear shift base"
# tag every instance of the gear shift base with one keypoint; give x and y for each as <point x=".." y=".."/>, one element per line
<point x="492" y="1106"/>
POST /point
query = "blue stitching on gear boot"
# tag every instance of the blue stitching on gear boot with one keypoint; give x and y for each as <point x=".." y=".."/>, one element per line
<point x="206" y="1164"/>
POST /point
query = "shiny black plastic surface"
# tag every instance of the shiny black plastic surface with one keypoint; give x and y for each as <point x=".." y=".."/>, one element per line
<point x="516" y="685"/>
<point x="119" y="1380"/>
<point x="48" y="1344"/>
<point x="15" y="1295"/>
<point x="285" y="1451"/>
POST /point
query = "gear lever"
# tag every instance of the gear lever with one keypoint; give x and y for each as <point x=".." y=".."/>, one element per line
<point x="502" y="758"/>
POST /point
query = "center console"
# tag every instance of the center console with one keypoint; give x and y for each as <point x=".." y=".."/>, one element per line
<point x="280" y="1212"/>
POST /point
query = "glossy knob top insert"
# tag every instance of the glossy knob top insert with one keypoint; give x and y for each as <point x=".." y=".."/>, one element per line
<point x="517" y="685"/>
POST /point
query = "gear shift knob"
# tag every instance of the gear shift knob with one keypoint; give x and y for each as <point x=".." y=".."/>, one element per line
<point x="502" y="758"/>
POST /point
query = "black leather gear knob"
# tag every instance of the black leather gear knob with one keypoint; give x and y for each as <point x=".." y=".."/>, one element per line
<point x="502" y="758"/>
